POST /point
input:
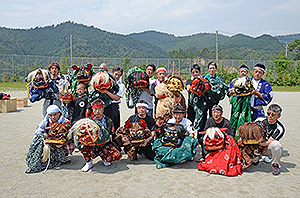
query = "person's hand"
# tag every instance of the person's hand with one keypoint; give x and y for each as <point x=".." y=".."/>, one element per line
<point x="231" y="92"/>
<point x="188" y="88"/>
<point x="104" y="91"/>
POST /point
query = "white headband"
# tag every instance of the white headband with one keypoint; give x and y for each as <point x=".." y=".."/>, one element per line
<point x="141" y="105"/>
<point x="259" y="68"/>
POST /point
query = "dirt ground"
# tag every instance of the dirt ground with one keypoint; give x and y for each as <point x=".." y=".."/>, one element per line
<point x="140" y="178"/>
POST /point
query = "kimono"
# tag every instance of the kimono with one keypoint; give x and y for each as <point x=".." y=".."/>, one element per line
<point x="257" y="104"/>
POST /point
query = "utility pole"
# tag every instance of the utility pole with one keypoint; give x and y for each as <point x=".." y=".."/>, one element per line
<point x="286" y="48"/>
<point x="217" y="51"/>
<point x="71" y="49"/>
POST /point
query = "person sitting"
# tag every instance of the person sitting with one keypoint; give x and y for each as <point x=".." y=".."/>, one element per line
<point x="137" y="133"/>
<point x="218" y="121"/>
<point x="58" y="154"/>
<point x="274" y="132"/>
<point x="179" y="118"/>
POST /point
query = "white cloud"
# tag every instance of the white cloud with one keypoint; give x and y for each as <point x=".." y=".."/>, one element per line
<point x="173" y="16"/>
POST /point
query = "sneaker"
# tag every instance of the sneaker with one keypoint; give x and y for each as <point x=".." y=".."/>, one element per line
<point x="266" y="159"/>
<point x="87" y="166"/>
<point x="76" y="150"/>
<point x="275" y="169"/>
<point x="107" y="163"/>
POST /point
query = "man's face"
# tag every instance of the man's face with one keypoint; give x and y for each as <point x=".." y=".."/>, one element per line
<point x="117" y="75"/>
<point x="161" y="76"/>
<point x="54" y="70"/>
<point x="273" y="116"/>
<point x="212" y="70"/>
<point x="149" y="71"/>
<point x="54" y="116"/>
<point x="142" y="111"/>
<point x="195" y="73"/>
<point x="98" y="113"/>
<point x="80" y="90"/>
<point x="217" y="115"/>
<point x="178" y="117"/>
<point x="258" y="74"/>
<point x="103" y="67"/>
<point x="243" y="72"/>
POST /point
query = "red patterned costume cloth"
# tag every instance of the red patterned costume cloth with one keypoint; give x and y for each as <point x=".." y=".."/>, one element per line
<point x="226" y="161"/>
<point x="108" y="153"/>
<point x="93" y="140"/>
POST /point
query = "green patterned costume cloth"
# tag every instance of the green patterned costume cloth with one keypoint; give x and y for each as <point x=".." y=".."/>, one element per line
<point x="241" y="112"/>
<point x="168" y="156"/>
<point x="132" y="94"/>
<point x="217" y="90"/>
<point x="34" y="155"/>
<point x="199" y="105"/>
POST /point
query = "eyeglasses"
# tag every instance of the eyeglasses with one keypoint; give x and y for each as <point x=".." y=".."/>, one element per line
<point x="271" y="114"/>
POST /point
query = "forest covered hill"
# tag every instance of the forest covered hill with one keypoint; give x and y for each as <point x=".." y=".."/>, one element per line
<point x="89" y="41"/>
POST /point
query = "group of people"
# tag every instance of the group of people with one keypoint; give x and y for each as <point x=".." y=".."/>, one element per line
<point x="90" y="123"/>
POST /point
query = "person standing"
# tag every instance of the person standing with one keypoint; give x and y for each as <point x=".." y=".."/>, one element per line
<point x="195" y="72"/>
<point x="113" y="110"/>
<point x="212" y="69"/>
<point x="146" y="94"/>
<point x="54" y="69"/>
<point x="262" y="94"/>
<point x="161" y="78"/>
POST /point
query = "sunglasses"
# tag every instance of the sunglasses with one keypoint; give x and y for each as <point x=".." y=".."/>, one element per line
<point x="271" y="114"/>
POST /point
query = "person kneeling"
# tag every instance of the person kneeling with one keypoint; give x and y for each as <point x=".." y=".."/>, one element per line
<point x="93" y="139"/>
<point x="50" y="145"/>
<point x="136" y="135"/>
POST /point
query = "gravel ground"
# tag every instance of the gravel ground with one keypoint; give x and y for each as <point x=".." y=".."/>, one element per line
<point x="141" y="179"/>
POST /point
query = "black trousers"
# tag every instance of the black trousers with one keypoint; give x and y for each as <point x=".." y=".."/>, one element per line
<point x="113" y="112"/>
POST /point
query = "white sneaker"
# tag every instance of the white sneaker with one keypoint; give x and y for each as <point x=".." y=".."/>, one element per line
<point x="266" y="159"/>
<point x="107" y="163"/>
<point x="87" y="166"/>
<point x="76" y="150"/>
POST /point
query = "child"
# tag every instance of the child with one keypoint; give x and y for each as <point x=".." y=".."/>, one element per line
<point x="80" y="103"/>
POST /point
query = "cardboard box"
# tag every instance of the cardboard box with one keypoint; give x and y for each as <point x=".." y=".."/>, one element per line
<point x="8" y="105"/>
<point x="22" y="102"/>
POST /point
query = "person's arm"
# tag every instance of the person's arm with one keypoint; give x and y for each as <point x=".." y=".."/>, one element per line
<point x="111" y="95"/>
<point x="255" y="92"/>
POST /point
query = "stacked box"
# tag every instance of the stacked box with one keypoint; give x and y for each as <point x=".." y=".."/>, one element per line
<point x="22" y="102"/>
<point x="8" y="105"/>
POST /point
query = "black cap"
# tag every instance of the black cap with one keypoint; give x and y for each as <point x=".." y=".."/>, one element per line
<point x="178" y="109"/>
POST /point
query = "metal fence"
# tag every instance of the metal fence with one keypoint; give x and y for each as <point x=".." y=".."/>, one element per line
<point x="16" y="67"/>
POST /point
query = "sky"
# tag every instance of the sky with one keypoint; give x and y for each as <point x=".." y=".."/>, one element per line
<point x="178" y="17"/>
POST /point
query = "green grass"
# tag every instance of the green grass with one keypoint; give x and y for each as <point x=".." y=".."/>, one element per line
<point x="13" y="86"/>
<point x="286" y="89"/>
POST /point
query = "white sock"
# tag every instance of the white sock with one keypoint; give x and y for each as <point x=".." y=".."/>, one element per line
<point x="87" y="166"/>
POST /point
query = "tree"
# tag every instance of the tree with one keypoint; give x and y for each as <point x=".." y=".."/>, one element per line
<point x="294" y="49"/>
